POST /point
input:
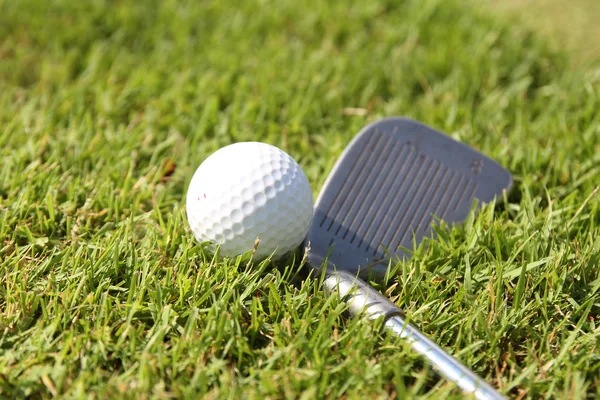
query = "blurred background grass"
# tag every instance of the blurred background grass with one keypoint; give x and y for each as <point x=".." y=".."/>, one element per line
<point x="573" y="26"/>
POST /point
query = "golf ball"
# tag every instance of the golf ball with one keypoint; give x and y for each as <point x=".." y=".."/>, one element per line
<point x="248" y="191"/>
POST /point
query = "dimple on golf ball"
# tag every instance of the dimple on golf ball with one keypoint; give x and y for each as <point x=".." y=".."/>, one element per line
<point x="248" y="191"/>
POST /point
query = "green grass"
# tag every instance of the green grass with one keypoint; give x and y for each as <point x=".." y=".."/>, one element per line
<point x="103" y="291"/>
<point x="572" y="26"/>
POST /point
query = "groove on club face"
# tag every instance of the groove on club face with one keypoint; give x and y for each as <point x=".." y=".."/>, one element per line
<point x="388" y="187"/>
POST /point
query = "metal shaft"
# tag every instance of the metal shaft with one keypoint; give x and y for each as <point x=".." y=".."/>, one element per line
<point x="363" y="298"/>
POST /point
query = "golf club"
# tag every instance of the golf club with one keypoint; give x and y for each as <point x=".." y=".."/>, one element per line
<point x="384" y="194"/>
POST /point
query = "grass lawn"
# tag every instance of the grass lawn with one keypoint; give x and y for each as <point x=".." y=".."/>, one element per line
<point x="571" y="25"/>
<point x="106" y="109"/>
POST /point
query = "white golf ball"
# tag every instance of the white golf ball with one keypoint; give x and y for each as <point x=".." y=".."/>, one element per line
<point x="246" y="191"/>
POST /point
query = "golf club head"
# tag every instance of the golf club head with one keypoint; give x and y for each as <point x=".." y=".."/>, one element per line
<point x="387" y="189"/>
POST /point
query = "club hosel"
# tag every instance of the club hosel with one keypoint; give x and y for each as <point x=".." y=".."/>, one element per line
<point x="360" y="296"/>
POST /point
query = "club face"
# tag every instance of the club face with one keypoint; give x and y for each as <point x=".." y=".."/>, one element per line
<point x="391" y="183"/>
